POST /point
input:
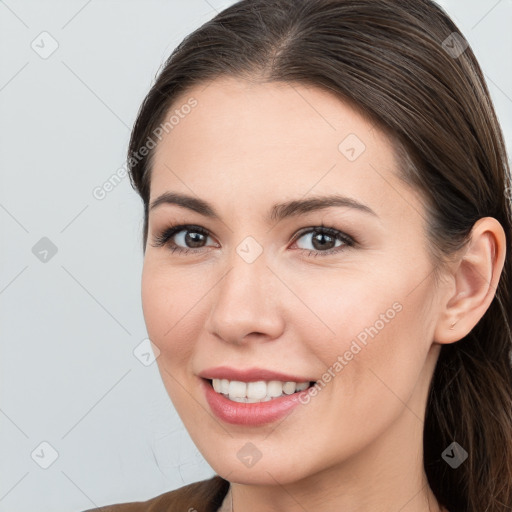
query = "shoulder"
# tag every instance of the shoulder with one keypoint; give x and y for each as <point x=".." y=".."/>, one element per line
<point x="203" y="496"/>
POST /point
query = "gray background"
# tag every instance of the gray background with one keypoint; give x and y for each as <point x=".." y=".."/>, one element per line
<point x="71" y="322"/>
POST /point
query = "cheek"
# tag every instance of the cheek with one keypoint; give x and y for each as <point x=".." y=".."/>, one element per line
<point x="349" y="306"/>
<point x="166" y="303"/>
<point x="374" y="327"/>
<point x="163" y="307"/>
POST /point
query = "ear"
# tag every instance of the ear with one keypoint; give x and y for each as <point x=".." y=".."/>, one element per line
<point x="473" y="281"/>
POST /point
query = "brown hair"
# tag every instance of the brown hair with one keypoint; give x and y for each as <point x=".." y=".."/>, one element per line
<point x="403" y="64"/>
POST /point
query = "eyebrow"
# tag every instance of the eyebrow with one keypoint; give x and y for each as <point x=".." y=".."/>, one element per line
<point x="277" y="212"/>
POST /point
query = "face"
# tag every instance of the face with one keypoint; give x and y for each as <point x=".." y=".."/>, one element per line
<point x="341" y="294"/>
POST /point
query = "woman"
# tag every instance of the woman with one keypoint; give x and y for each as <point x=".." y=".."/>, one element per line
<point x="327" y="260"/>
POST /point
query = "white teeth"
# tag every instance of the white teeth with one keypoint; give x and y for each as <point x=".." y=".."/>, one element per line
<point x="259" y="391"/>
<point x="302" y="386"/>
<point x="274" y="388"/>
<point x="289" y="388"/>
<point x="256" y="390"/>
<point x="237" y="389"/>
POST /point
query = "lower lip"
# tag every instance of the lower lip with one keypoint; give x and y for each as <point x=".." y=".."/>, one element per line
<point x="258" y="413"/>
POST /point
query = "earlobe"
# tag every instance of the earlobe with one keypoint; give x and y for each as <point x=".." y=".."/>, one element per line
<point x="474" y="281"/>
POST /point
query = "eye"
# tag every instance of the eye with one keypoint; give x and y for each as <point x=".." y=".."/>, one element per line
<point x="321" y="243"/>
<point x="187" y="238"/>
<point x="175" y="237"/>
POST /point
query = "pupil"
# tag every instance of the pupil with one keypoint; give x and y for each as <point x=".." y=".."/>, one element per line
<point x="193" y="239"/>
<point x="321" y="244"/>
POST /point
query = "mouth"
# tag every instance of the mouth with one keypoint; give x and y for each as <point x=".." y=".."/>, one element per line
<point x="256" y="391"/>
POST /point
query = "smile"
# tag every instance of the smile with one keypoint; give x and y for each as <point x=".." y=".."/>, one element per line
<point x="259" y="391"/>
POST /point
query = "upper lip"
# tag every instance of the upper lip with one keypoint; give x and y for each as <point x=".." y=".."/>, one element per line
<point x="249" y="375"/>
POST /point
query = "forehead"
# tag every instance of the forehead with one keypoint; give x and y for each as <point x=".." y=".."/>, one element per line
<point x="256" y="140"/>
<point x="276" y="114"/>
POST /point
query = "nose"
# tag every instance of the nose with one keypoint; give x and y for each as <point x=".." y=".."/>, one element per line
<point x="246" y="304"/>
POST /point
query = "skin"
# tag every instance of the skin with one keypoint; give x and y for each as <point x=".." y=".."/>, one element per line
<point x="357" y="445"/>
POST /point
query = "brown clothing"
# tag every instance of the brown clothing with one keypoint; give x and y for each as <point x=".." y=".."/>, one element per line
<point x="203" y="496"/>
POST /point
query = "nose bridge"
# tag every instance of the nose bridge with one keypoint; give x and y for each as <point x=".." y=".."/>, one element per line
<point x="245" y="301"/>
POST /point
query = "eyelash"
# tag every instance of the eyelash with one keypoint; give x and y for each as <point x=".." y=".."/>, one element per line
<point x="165" y="237"/>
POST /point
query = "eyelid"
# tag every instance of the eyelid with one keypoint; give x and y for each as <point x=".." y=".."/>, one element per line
<point x="334" y="232"/>
<point x="167" y="233"/>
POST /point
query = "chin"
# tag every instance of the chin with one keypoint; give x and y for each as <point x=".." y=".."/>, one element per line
<point x="265" y="471"/>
